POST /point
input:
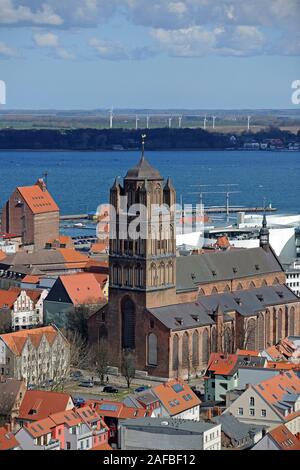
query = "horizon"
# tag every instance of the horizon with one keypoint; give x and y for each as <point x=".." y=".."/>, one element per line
<point x="188" y="54"/>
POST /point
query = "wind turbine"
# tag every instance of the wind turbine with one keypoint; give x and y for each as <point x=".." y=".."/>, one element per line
<point x="248" y="125"/>
<point x="179" y="121"/>
<point x="214" y="120"/>
<point x="148" y="121"/>
<point x="204" y="122"/>
<point x="170" y="122"/>
<point x="136" y="122"/>
<point x="111" y="117"/>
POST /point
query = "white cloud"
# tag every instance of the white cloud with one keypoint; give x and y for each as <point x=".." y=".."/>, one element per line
<point x="51" y="41"/>
<point x="196" y="41"/>
<point x="63" y="54"/>
<point x="18" y="13"/>
<point x="46" y="39"/>
<point x="109" y="50"/>
<point x="6" y="51"/>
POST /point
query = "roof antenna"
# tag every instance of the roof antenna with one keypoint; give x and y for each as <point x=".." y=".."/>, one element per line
<point x="45" y="175"/>
<point x="143" y="144"/>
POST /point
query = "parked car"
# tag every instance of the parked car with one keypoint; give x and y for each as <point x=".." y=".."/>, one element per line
<point x="76" y="375"/>
<point x="110" y="389"/>
<point x="86" y="383"/>
<point x="142" y="388"/>
<point x="79" y="401"/>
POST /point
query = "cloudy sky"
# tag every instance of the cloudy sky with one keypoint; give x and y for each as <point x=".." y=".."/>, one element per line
<point x="149" y="53"/>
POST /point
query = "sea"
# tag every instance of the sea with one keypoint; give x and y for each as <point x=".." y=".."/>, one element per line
<point x="79" y="181"/>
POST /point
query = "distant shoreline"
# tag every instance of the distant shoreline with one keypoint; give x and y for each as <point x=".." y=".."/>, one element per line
<point x="160" y="139"/>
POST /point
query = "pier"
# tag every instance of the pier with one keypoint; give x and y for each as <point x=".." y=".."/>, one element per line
<point x="207" y="210"/>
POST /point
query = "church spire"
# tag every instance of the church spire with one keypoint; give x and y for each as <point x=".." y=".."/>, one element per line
<point x="264" y="234"/>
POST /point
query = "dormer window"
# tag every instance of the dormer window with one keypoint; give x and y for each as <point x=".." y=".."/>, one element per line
<point x="257" y="267"/>
<point x="193" y="276"/>
<point x="234" y="269"/>
<point x="179" y="320"/>
<point x="260" y="297"/>
<point x="214" y="273"/>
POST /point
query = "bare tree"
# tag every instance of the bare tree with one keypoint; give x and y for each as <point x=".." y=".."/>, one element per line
<point x="78" y="357"/>
<point x="246" y="335"/>
<point x="100" y="358"/>
<point x="128" y="367"/>
<point x="7" y="401"/>
<point x="5" y="320"/>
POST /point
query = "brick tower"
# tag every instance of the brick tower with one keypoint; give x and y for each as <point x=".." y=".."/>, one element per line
<point x="142" y="271"/>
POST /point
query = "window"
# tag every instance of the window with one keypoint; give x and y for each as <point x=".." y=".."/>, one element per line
<point x="263" y="413"/>
<point x="251" y="412"/>
<point x="252" y="401"/>
<point x="240" y="411"/>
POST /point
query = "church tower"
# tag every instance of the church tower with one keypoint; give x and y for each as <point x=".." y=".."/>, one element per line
<point x="142" y="255"/>
<point x="264" y="235"/>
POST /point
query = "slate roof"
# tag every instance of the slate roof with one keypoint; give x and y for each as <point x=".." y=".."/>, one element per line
<point x="194" y="270"/>
<point x="233" y="428"/>
<point x="185" y="426"/>
<point x="143" y="170"/>
<point x="200" y="313"/>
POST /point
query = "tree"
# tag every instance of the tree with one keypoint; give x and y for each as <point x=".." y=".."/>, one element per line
<point x="128" y="367"/>
<point x="100" y="358"/>
<point x="76" y="321"/>
<point x="5" y="320"/>
<point x="78" y="358"/>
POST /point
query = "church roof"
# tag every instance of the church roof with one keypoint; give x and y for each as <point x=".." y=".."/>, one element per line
<point x="194" y="270"/>
<point x="246" y="302"/>
<point x="143" y="170"/>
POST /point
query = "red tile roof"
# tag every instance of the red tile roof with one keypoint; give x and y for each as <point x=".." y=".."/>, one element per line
<point x="222" y="364"/>
<point x="39" y="404"/>
<point x="284" y="439"/>
<point x="40" y="427"/>
<point x="68" y="417"/>
<point x="82" y="288"/>
<point x="247" y="352"/>
<point x="15" y="341"/>
<point x="38" y="201"/>
<point x="115" y="409"/>
<point x="176" y="396"/>
<point x="73" y="258"/>
<point x="104" y="446"/>
<point x="7" y="440"/>
<point x="8" y="297"/>
<point x="274" y="389"/>
<point x="31" y="279"/>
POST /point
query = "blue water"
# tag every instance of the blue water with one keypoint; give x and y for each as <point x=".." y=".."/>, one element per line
<point x="80" y="181"/>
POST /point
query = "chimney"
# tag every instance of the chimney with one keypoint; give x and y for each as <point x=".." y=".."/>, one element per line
<point x="209" y="414"/>
<point x="41" y="183"/>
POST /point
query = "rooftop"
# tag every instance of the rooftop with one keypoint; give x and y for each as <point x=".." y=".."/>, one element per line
<point x="39" y="404"/>
<point x="38" y="200"/>
<point x="143" y="171"/>
<point x="176" y="396"/>
<point x="16" y="341"/>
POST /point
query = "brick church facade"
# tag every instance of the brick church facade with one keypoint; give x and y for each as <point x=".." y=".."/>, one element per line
<point x="171" y="311"/>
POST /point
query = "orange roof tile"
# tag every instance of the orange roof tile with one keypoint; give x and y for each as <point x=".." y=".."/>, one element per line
<point x="281" y="365"/>
<point x="40" y="427"/>
<point x="117" y="409"/>
<point x="15" y="341"/>
<point x="246" y="352"/>
<point x="73" y="257"/>
<point x="31" y="279"/>
<point x="38" y="201"/>
<point x="173" y="396"/>
<point x="2" y="255"/>
<point x="8" y="297"/>
<point x="276" y="387"/>
<point x="222" y="364"/>
<point x="283" y="437"/>
<point x="63" y="239"/>
<point x="82" y="288"/>
<point x="68" y="417"/>
<point x="104" y="446"/>
<point x="7" y="440"/>
<point x="40" y="404"/>
<point x="100" y="247"/>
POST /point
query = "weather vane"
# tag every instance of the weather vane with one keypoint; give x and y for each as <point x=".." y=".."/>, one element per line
<point x="143" y="143"/>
